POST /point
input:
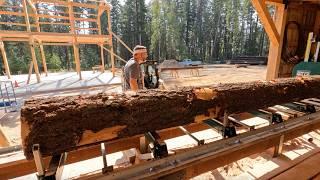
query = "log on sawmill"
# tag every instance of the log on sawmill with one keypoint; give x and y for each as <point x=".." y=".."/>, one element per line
<point x="62" y="124"/>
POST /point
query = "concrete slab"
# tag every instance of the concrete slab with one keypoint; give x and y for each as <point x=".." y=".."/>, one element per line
<point x="62" y="81"/>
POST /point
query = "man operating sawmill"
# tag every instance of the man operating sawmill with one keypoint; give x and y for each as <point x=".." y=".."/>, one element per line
<point x="133" y="79"/>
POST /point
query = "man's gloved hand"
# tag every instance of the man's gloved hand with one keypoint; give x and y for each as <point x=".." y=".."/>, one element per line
<point x="204" y="93"/>
<point x="131" y="93"/>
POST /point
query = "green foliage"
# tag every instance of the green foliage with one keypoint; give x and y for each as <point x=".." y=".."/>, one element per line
<point x="18" y="57"/>
<point x="54" y="62"/>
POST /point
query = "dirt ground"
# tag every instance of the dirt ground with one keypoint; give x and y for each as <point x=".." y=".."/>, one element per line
<point x="261" y="165"/>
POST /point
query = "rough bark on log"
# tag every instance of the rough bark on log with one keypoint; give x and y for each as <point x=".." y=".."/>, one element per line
<point x="61" y="124"/>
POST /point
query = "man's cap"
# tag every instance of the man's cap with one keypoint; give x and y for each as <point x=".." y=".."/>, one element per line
<point x="139" y="49"/>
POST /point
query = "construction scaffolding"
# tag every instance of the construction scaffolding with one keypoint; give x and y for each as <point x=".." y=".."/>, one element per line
<point x="35" y="17"/>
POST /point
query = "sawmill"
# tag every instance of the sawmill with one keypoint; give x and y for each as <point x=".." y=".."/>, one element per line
<point x="222" y="123"/>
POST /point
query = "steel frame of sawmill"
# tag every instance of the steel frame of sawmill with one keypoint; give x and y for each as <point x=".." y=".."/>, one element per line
<point x="204" y="157"/>
<point x="185" y="163"/>
<point x="76" y="36"/>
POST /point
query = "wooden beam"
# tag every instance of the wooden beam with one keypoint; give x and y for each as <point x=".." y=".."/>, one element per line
<point x="26" y="17"/>
<point x="32" y="5"/>
<point x="30" y="72"/>
<point x="79" y="28"/>
<point x="64" y="3"/>
<point x="101" y="45"/>
<point x="55" y="44"/>
<point x="74" y="41"/>
<point x="200" y="159"/>
<point x="267" y="21"/>
<point x="86" y="19"/>
<point x="34" y="60"/>
<point x="102" y="59"/>
<point x="302" y="170"/>
<point x="5" y="60"/>
<point x="11" y="40"/>
<point x="23" y="167"/>
<point x="55" y="23"/>
<point x="43" y="57"/>
<point x="12" y="13"/>
<point x="275" y="51"/>
<point x="9" y="6"/>
<point x="31" y="42"/>
<point x="4" y="143"/>
<point x="36" y="13"/>
<point x="87" y="14"/>
<point x="111" y="43"/>
<point x="48" y="16"/>
<point x="124" y="44"/>
<point x="308" y="48"/>
<point x="77" y="59"/>
<point x="57" y="12"/>
<point x="71" y="17"/>
<point x="273" y="2"/>
<point x="56" y="37"/>
<point x="121" y="59"/>
<point x="15" y="24"/>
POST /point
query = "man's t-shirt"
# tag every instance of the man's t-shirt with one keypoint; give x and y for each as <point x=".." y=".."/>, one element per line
<point x="132" y="70"/>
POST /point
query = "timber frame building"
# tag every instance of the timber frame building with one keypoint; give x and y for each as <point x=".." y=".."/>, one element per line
<point x="35" y="17"/>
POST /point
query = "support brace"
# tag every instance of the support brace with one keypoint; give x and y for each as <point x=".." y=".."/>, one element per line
<point x="158" y="149"/>
<point x="105" y="168"/>
<point x="55" y="168"/>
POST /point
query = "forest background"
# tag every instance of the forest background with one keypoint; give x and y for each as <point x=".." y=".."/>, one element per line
<point x="211" y="31"/>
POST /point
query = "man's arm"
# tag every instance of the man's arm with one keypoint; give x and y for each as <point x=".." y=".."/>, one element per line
<point x="133" y="84"/>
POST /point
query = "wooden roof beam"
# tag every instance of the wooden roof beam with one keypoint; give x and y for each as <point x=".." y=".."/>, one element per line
<point x="32" y="5"/>
<point x="267" y="21"/>
<point x="65" y="3"/>
<point x="11" y="13"/>
<point x="273" y="1"/>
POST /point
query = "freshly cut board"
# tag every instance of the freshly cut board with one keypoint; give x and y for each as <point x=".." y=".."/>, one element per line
<point x="61" y="124"/>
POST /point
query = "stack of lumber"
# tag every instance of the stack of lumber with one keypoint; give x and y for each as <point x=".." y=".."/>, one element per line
<point x="250" y="60"/>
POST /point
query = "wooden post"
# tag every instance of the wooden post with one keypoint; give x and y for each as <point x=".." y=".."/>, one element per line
<point x="102" y="59"/>
<point x="124" y="44"/>
<point x="34" y="60"/>
<point x="26" y="15"/>
<point x="316" y="55"/>
<point x="101" y="45"/>
<point x="43" y="60"/>
<point x="5" y="60"/>
<point x="31" y="42"/>
<point x="74" y="43"/>
<point x="77" y="59"/>
<point x="35" y="14"/>
<point x="43" y="57"/>
<point x="308" y="48"/>
<point x="225" y="119"/>
<point x="30" y="72"/>
<point x="71" y="17"/>
<point x="276" y="49"/>
<point x="111" y="44"/>
<point x="266" y="20"/>
<point x="278" y="148"/>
